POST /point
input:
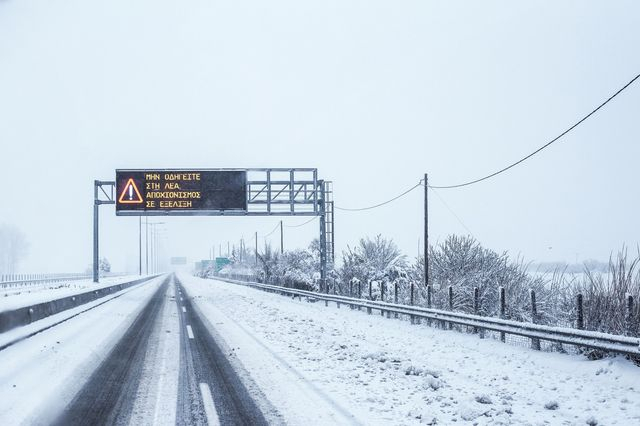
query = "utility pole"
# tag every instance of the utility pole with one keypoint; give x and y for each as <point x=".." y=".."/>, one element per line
<point x="146" y="243"/>
<point x="281" y="239"/>
<point x="426" y="230"/>
<point x="152" y="249"/>
<point x="96" y="233"/>
<point x="256" y="248"/>
<point x="228" y="249"/>
<point x="139" y="245"/>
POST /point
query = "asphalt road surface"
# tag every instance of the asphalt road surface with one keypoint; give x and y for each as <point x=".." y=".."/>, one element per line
<point x="209" y="390"/>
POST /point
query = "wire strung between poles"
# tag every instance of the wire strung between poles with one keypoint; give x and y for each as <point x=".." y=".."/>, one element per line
<point x="543" y="146"/>
<point x="383" y="203"/>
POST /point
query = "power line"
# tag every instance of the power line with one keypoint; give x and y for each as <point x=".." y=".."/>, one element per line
<point x="451" y="211"/>
<point x="274" y="230"/>
<point x="543" y="146"/>
<point x="300" y="224"/>
<point x="380" y="204"/>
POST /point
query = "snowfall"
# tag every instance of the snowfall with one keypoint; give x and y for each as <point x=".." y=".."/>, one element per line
<point x="323" y="365"/>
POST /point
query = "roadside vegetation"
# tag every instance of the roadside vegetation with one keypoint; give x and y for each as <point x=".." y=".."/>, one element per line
<point x="375" y="267"/>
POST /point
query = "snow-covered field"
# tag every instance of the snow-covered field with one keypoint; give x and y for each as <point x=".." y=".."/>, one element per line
<point x="338" y="366"/>
<point x="14" y="298"/>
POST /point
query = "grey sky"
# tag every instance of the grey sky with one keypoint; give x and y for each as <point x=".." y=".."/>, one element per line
<point x="372" y="93"/>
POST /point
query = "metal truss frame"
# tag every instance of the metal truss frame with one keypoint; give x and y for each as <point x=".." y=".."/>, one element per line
<point x="270" y="192"/>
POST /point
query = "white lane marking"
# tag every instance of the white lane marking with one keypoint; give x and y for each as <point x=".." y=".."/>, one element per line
<point x="209" y="408"/>
<point x="184" y="309"/>
<point x="190" y="332"/>
<point x="181" y="299"/>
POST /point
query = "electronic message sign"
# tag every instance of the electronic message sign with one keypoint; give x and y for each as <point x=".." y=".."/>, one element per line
<point x="180" y="192"/>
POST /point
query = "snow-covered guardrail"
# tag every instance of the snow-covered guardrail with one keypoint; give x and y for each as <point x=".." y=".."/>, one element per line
<point x="582" y="338"/>
<point x="19" y="280"/>
<point x="28" y="314"/>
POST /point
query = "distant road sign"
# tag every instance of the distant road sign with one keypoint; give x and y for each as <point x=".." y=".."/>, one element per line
<point x="180" y="192"/>
<point x="221" y="262"/>
<point x="178" y="260"/>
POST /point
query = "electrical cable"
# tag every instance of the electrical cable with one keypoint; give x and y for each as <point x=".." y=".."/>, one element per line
<point x="452" y="212"/>
<point x="300" y="224"/>
<point x="380" y="204"/>
<point x="274" y="230"/>
<point x="543" y="146"/>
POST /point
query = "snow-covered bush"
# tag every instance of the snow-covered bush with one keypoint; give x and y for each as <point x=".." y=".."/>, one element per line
<point x="462" y="263"/>
<point x="377" y="264"/>
<point x="605" y="296"/>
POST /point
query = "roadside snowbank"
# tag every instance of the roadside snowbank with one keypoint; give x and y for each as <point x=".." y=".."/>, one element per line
<point x="40" y="375"/>
<point x="18" y="298"/>
<point x="389" y="372"/>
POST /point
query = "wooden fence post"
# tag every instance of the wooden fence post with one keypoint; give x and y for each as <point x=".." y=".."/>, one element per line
<point x="535" y="342"/>
<point x="411" y="317"/>
<point x="450" y="294"/>
<point x="395" y="296"/>
<point x="503" y="306"/>
<point x="476" y="297"/>
<point x="629" y="325"/>
<point x="429" y="294"/>
<point x="580" y="312"/>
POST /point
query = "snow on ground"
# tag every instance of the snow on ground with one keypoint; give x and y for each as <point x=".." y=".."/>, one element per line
<point x="157" y="399"/>
<point x="13" y="298"/>
<point x="40" y="375"/>
<point x="387" y="371"/>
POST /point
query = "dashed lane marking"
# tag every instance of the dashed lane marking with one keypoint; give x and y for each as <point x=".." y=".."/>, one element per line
<point x="209" y="408"/>
<point x="190" y="332"/>
<point x="184" y="309"/>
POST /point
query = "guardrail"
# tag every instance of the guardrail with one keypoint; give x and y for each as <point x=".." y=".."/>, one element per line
<point x="536" y="332"/>
<point x="20" y="280"/>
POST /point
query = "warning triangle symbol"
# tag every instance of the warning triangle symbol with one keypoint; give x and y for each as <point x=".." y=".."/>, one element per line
<point x="130" y="194"/>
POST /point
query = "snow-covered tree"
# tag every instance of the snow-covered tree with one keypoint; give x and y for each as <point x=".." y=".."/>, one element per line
<point x="375" y="263"/>
<point x="104" y="266"/>
<point x="13" y="248"/>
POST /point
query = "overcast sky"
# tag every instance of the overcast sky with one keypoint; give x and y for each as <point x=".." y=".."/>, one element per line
<point x="372" y="93"/>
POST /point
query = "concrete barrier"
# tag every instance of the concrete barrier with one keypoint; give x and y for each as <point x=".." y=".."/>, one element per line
<point x="28" y="314"/>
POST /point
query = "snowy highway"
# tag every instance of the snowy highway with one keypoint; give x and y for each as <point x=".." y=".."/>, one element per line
<point x="185" y="350"/>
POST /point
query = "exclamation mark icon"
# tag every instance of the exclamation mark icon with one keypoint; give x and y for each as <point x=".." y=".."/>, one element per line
<point x="130" y="192"/>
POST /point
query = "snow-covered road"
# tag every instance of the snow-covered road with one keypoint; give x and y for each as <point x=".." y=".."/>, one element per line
<point x="40" y="375"/>
<point x="192" y="351"/>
